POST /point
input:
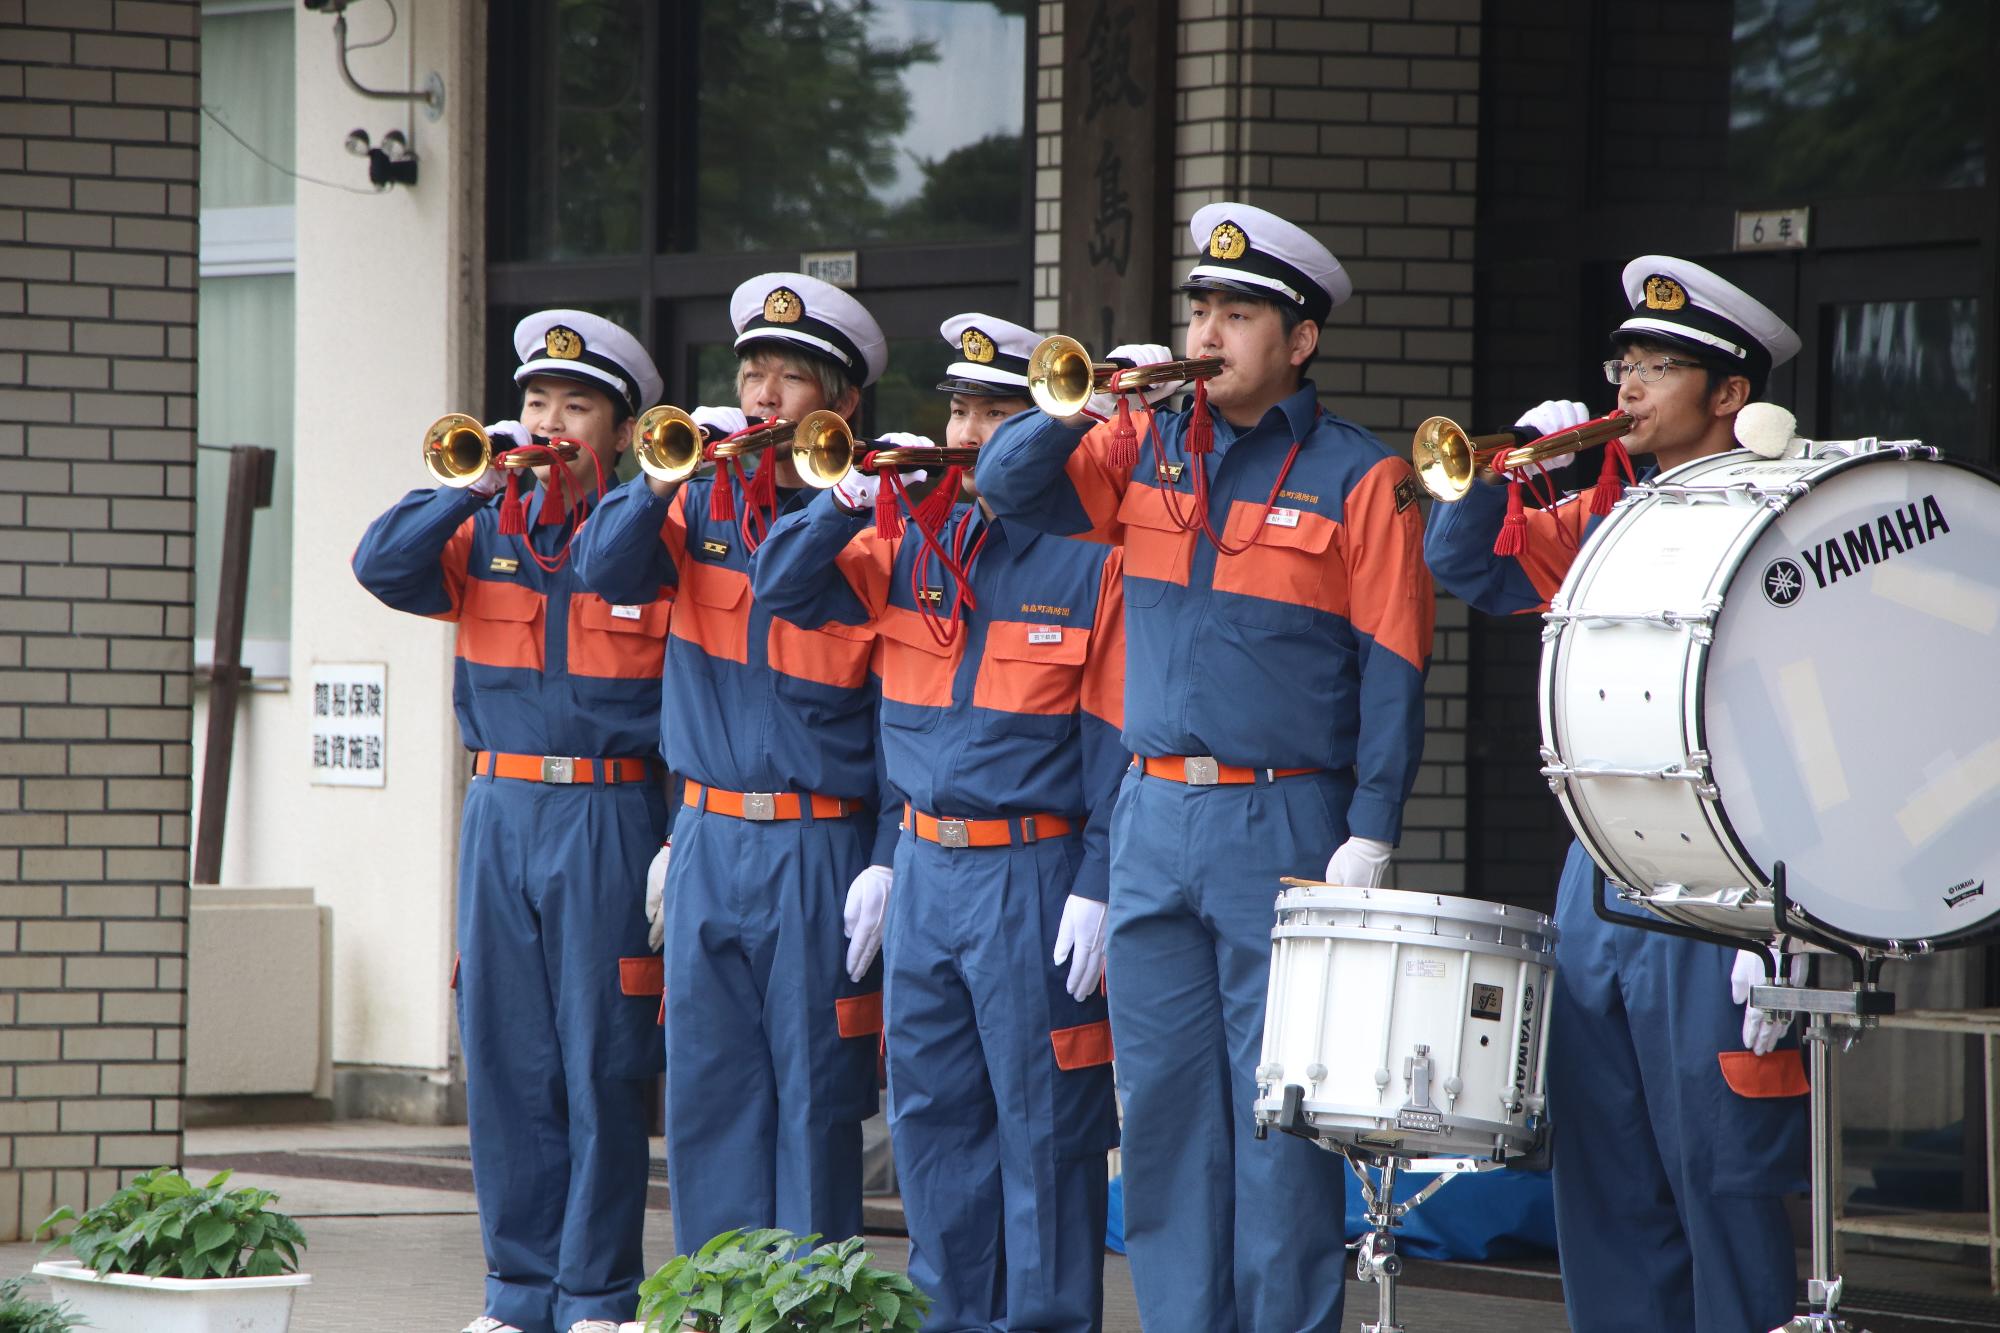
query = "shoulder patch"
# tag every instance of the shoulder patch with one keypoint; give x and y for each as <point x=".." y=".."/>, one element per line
<point x="1406" y="493"/>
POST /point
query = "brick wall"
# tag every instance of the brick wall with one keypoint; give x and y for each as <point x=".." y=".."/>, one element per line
<point x="98" y="135"/>
<point x="1357" y="119"/>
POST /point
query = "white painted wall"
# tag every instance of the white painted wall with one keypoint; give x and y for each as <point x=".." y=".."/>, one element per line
<point x="390" y="320"/>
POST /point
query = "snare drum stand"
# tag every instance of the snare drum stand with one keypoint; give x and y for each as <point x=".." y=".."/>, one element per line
<point x="1375" y="1257"/>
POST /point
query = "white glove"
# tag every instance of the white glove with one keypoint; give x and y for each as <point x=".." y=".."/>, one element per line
<point x="1080" y="939"/>
<point x="867" y="903"/>
<point x="656" y="899"/>
<point x="720" y="421"/>
<point x="857" y="491"/>
<point x="1103" y="406"/>
<point x="501" y="436"/>
<point x="1358" y="863"/>
<point x="1761" y="1028"/>
<point x="1550" y="416"/>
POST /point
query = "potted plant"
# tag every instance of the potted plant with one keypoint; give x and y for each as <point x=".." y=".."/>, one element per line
<point x="22" y="1314"/>
<point x="163" y="1255"/>
<point x="759" y="1281"/>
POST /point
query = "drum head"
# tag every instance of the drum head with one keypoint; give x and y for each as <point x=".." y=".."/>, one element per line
<point x="1850" y="704"/>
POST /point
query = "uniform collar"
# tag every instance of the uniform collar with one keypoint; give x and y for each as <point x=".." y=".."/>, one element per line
<point x="1294" y="414"/>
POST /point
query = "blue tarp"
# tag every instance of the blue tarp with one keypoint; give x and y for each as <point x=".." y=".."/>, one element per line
<point x="1491" y="1215"/>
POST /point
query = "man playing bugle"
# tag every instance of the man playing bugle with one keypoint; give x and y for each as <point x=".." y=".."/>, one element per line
<point x="557" y="696"/>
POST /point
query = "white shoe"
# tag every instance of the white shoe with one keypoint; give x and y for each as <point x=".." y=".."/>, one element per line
<point x="486" y="1323"/>
<point x="594" y="1326"/>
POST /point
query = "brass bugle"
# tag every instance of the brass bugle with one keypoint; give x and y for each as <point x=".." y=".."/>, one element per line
<point x="773" y="434"/>
<point x="457" y="451"/>
<point x="824" y="452"/>
<point x="1449" y="461"/>
<point x="1062" y="377"/>
<point x="667" y="443"/>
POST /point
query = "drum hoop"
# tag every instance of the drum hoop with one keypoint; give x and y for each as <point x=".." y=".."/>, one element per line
<point x="1450" y="1119"/>
<point x="1544" y="957"/>
<point x="1414" y="902"/>
<point x="1716" y="810"/>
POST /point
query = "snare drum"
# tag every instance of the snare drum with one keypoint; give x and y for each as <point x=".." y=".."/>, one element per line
<point x="1410" y="1023"/>
<point x="1756" y="660"/>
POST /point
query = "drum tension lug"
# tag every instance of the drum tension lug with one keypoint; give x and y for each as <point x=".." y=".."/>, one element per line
<point x="1292" y="1115"/>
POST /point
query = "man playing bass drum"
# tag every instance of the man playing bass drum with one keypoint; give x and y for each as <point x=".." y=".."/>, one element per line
<point x="1673" y="1146"/>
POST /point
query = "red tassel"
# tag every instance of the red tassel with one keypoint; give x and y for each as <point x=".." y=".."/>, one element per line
<point x="1124" y="438"/>
<point x="721" y="499"/>
<point x="1201" y="426"/>
<point x="888" y="508"/>
<point x="1513" y="538"/>
<point x="1610" y="485"/>
<point x="935" y="511"/>
<point x="513" y="509"/>
<point x="761" y="494"/>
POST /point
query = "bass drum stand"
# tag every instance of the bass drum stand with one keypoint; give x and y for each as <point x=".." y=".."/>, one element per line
<point x="1854" y="1010"/>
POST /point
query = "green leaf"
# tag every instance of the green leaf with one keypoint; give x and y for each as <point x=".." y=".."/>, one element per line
<point x="212" y="1233"/>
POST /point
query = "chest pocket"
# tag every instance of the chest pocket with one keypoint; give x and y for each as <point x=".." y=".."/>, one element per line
<point x="713" y="610"/>
<point x="917" y="670"/>
<point x="501" y="625"/>
<point x="1033" y="680"/>
<point x="1287" y="573"/>
<point x="626" y="642"/>
<point x="1157" y="551"/>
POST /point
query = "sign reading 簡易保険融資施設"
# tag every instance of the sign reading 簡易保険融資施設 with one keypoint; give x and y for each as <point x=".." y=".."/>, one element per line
<point x="349" y="704"/>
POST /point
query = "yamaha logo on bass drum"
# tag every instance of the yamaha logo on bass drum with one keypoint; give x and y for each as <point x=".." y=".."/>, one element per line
<point x="1866" y="543"/>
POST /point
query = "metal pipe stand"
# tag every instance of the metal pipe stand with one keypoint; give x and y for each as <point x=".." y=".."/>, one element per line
<point x="1375" y="1256"/>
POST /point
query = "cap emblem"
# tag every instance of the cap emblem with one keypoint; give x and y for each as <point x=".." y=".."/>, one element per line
<point x="564" y="344"/>
<point x="1227" y="241"/>
<point x="783" y="306"/>
<point x="1664" y="293"/>
<point x="978" y="348"/>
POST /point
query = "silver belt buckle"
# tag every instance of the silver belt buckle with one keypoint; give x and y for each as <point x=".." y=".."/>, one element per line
<point x="760" y="805"/>
<point x="1203" y="771"/>
<point x="953" y="833"/>
<point x="558" y="768"/>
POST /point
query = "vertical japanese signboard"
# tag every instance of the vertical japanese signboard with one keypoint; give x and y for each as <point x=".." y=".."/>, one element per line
<point x="1117" y="182"/>
<point x="349" y="701"/>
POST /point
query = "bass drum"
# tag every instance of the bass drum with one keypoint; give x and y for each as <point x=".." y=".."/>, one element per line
<point x="1762" y="660"/>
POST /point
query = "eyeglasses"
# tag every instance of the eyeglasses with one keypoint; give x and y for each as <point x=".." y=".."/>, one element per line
<point x="1649" y="372"/>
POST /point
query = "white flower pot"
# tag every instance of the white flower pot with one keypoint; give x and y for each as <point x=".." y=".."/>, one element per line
<point x="127" y="1303"/>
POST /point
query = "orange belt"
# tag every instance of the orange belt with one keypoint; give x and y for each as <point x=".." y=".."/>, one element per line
<point x="763" y="805"/>
<point x="1202" y="770"/>
<point x="985" y="832"/>
<point x="557" y="768"/>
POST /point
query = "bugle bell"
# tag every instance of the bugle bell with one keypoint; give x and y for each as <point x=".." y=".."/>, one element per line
<point x="457" y="451"/>
<point x="667" y="443"/>
<point x="1062" y="377"/>
<point x="1449" y="461"/>
<point x="823" y="452"/>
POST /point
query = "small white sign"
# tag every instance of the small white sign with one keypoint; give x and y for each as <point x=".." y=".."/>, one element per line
<point x="842" y="268"/>
<point x="349" y="705"/>
<point x="1044" y="636"/>
<point x="1773" y="229"/>
<point x="628" y="613"/>
<point x="1282" y="518"/>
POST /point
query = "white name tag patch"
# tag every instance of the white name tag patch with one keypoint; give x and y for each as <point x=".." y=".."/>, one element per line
<point x="628" y="612"/>
<point x="1282" y="518"/>
<point x="1044" y="636"/>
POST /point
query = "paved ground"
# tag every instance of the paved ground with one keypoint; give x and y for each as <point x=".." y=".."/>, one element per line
<point x="403" y="1259"/>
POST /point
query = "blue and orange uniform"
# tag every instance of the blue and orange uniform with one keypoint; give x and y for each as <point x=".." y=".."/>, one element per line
<point x="1001" y="730"/>
<point x="1673" y="1146"/>
<point x="1274" y="698"/>
<point x="557" y="695"/>
<point x="771" y="1049"/>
